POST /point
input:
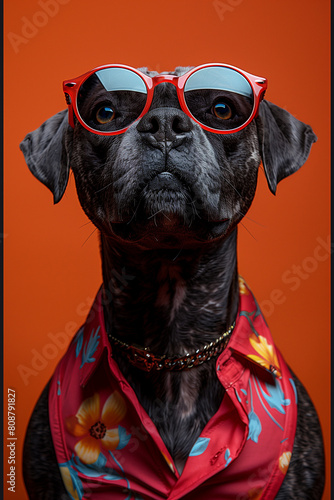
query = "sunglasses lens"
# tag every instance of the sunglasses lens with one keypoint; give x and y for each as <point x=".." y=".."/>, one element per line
<point x="111" y="99"/>
<point x="220" y="98"/>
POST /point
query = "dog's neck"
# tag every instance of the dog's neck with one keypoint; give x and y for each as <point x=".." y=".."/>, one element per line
<point x="171" y="301"/>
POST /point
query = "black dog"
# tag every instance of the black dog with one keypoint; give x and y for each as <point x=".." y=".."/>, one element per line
<point x="167" y="196"/>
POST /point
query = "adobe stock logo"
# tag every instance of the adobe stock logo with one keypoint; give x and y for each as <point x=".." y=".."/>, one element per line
<point x="30" y="27"/>
<point x="293" y="277"/>
<point x="222" y="7"/>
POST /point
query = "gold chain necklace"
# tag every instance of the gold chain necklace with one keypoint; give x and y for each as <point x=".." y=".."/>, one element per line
<point x="144" y="359"/>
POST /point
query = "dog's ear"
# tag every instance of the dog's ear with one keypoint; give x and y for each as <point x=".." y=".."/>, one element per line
<point x="47" y="153"/>
<point x="285" y="142"/>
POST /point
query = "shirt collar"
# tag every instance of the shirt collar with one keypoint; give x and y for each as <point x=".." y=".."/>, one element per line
<point x="95" y="339"/>
<point x="251" y="339"/>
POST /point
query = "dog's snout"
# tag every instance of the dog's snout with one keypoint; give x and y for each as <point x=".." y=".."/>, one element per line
<point x="165" y="126"/>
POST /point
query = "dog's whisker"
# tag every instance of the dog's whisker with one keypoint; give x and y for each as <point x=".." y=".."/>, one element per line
<point x="134" y="214"/>
<point x="178" y="254"/>
<point x="193" y="204"/>
<point x="153" y="215"/>
<point x="136" y="209"/>
<point x="249" y="218"/>
<point x="86" y="224"/>
<point x="233" y="187"/>
<point x="254" y="221"/>
<point x="103" y="188"/>
<point x="89" y="236"/>
<point x="245" y="227"/>
<point x="163" y="213"/>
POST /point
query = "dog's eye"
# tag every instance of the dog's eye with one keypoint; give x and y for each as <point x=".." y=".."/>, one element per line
<point x="105" y="114"/>
<point x="222" y="110"/>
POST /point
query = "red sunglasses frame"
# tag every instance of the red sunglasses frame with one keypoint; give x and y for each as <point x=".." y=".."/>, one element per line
<point x="72" y="87"/>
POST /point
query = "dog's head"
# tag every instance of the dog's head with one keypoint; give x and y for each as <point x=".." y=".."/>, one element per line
<point x="166" y="179"/>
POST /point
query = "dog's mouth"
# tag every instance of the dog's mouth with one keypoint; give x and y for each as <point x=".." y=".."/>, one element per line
<point x="167" y="215"/>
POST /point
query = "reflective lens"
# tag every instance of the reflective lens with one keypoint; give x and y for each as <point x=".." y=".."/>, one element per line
<point x="220" y="98"/>
<point x="111" y="99"/>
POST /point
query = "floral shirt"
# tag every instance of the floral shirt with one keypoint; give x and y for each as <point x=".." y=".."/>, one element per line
<point x="107" y="446"/>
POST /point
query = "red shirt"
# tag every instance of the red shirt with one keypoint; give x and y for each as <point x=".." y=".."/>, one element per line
<point x="108" y="447"/>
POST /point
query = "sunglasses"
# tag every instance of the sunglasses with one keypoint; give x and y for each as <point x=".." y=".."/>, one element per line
<point x="220" y="98"/>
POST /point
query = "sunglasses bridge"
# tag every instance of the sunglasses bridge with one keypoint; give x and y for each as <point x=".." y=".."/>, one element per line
<point x="158" y="79"/>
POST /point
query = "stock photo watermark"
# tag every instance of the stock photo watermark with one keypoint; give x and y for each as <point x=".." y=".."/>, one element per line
<point x="58" y="342"/>
<point x="223" y="7"/>
<point x="11" y="440"/>
<point x="31" y="26"/>
<point x="293" y="277"/>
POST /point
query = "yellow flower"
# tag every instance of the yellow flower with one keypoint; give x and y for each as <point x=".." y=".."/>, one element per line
<point x="168" y="462"/>
<point x="284" y="461"/>
<point x="267" y="352"/>
<point x="97" y="430"/>
<point x="67" y="480"/>
<point x="243" y="287"/>
<point x="254" y="494"/>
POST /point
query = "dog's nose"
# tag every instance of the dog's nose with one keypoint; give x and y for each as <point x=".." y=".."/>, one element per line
<point x="165" y="128"/>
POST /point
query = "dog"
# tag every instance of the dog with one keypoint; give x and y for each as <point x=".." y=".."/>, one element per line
<point x="173" y="388"/>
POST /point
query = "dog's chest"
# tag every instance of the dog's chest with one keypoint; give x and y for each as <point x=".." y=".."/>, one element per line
<point x="180" y="405"/>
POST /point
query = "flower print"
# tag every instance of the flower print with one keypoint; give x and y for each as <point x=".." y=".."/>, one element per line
<point x="98" y="469"/>
<point x="255" y="427"/>
<point x="67" y="480"/>
<point x="275" y="397"/>
<point x="284" y="461"/>
<point x="227" y="457"/>
<point x="199" y="447"/>
<point x="90" y="348"/>
<point x="258" y="391"/>
<point x="254" y="494"/>
<point x="294" y="389"/>
<point x="268" y="357"/>
<point x="71" y="481"/>
<point x="97" y="430"/>
<point x="168" y="462"/>
<point x="242" y="286"/>
<point x="79" y="340"/>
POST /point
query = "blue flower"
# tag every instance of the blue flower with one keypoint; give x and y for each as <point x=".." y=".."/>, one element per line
<point x="227" y="457"/>
<point x="98" y="469"/>
<point x="199" y="447"/>
<point x="124" y="438"/>
<point x="255" y="426"/>
<point x="78" y="339"/>
<point x="71" y="480"/>
<point x="90" y="348"/>
<point x="262" y="403"/>
<point x="294" y="389"/>
<point x="275" y="398"/>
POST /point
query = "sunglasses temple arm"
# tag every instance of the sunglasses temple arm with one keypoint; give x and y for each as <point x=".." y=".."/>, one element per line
<point x="68" y="100"/>
<point x="70" y="115"/>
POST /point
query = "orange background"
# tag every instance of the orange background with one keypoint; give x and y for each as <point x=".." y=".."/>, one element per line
<point x="52" y="264"/>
